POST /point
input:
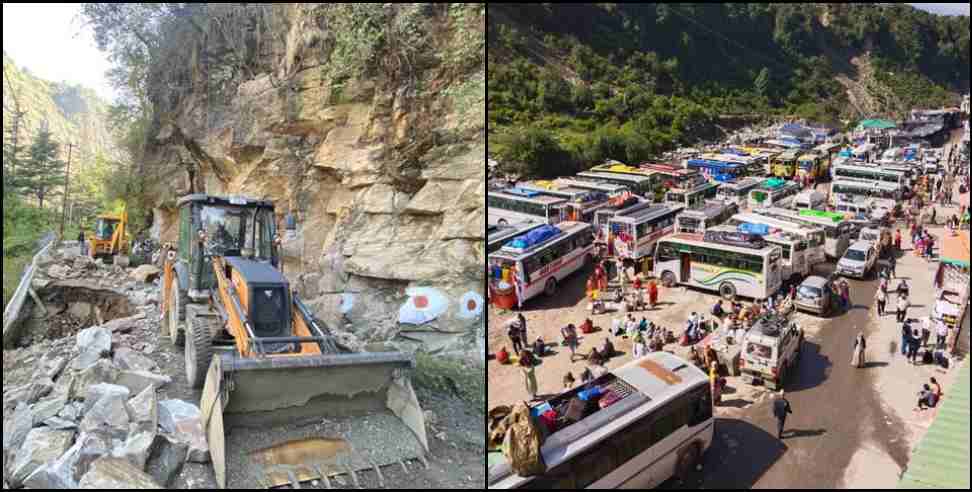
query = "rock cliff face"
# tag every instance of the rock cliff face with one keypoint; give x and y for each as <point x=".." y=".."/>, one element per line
<point x="383" y="167"/>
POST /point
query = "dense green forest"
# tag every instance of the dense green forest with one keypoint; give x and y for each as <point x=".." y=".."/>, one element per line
<point x="573" y="84"/>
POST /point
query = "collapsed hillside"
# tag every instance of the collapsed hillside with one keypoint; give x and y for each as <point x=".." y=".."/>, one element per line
<point x="366" y="122"/>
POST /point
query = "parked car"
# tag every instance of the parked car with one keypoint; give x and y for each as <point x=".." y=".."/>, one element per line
<point x="771" y="350"/>
<point x="815" y="295"/>
<point x="859" y="260"/>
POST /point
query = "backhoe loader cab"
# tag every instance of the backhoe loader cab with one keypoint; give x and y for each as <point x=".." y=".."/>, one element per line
<point x="263" y="359"/>
<point x="110" y="238"/>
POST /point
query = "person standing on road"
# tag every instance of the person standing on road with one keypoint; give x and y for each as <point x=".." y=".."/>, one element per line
<point x="893" y="265"/>
<point x="653" y="294"/>
<point x="781" y="408"/>
<point x="942" y="336"/>
<point x="897" y="242"/>
<point x="882" y="299"/>
<point x="845" y="294"/>
<point x="529" y="374"/>
<point x="905" y="337"/>
<point x="913" y="344"/>
<point x="903" y="288"/>
<point x="523" y="330"/>
<point x="925" y="331"/>
<point x="860" y="346"/>
<point x="513" y="331"/>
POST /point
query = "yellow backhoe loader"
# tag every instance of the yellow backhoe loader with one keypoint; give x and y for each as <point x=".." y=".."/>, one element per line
<point x="267" y="365"/>
<point x="110" y="238"/>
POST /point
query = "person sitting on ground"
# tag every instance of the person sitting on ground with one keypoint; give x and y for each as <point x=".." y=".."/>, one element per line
<point x="926" y="398"/>
<point x="568" y="381"/>
<point x="595" y="358"/>
<point x="607" y="350"/>
<point x="936" y="389"/>
<point x="567" y="333"/>
<point x="503" y="357"/>
<point x="587" y="376"/>
<point x="717" y="310"/>
<point x="539" y="347"/>
<point x="695" y="359"/>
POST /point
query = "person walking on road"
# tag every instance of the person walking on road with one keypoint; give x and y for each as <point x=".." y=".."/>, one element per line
<point x="903" y="305"/>
<point x="913" y="344"/>
<point x="892" y="265"/>
<point x="882" y="298"/>
<point x="860" y="346"/>
<point x="845" y="294"/>
<point x="942" y="335"/>
<point x="523" y="329"/>
<point x="781" y="408"/>
<point x="905" y="337"/>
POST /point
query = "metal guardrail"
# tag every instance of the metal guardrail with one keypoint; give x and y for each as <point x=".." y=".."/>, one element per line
<point x="12" y="311"/>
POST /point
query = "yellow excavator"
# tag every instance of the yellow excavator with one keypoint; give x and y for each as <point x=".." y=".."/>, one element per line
<point x="110" y="238"/>
<point x="265" y="362"/>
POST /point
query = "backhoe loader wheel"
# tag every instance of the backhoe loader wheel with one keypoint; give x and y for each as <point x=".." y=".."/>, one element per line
<point x="199" y="349"/>
<point x="177" y="315"/>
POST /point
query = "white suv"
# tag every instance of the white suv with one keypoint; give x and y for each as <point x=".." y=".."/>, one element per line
<point x="771" y="351"/>
<point x="859" y="260"/>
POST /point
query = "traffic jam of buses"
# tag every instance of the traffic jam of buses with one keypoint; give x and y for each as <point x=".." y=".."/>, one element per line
<point x="704" y="320"/>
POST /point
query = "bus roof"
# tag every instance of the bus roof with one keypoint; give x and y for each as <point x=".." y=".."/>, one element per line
<point x="538" y="198"/>
<point x="592" y="185"/>
<point x="778" y="237"/>
<point x="808" y="157"/>
<point x="711" y="208"/>
<point x="747" y="182"/>
<point x="645" y="214"/>
<point x="697" y="240"/>
<point x="789" y="155"/>
<point x="826" y="148"/>
<point x="757" y="218"/>
<point x="502" y="232"/>
<point x="664" y="168"/>
<point x="647" y="383"/>
<point x="566" y="228"/>
<point x="703" y="185"/>
<point x="836" y="217"/>
<point x="632" y="178"/>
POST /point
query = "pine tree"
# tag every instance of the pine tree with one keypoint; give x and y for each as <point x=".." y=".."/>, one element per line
<point x="41" y="171"/>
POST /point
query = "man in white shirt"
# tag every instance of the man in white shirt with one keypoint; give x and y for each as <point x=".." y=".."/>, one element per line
<point x="942" y="335"/>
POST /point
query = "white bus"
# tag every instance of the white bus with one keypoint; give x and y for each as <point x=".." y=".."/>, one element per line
<point x="865" y="188"/>
<point x="540" y="268"/>
<point x="512" y="206"/>
<point x="698" y="220"/>
<point x="815" y="237"/>
<point x="498" y="235"/>
<point x="774" y="193"/>
<point x="618" y="206"/>
<point x="659" y="428"/>
<point x="638" y="184"/>
<point x="872" y="173"/>
<point x="686" y="259"/>
<point x="837" y="229"/>
<point x="794" y="250"/>
<point x="738" y="191"/>
<point x="580" y="205"/>
<point x="635" y="233"/>
<point x="692" y="196"/>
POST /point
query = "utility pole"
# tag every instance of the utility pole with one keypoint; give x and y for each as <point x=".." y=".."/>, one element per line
<point x="67" y="183"/>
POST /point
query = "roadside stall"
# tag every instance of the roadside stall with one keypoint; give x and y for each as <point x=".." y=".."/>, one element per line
<point x="952" y="288"/>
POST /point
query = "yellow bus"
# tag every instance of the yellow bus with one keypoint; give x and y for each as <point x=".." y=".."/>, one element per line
<point x="809" y="165"/>
<point x="784" y="165"/>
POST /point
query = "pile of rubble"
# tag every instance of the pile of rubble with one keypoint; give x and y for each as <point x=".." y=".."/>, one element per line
<point x="91" y="418"/>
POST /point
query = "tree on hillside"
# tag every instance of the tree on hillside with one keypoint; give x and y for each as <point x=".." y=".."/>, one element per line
<point x="41" y="171"/>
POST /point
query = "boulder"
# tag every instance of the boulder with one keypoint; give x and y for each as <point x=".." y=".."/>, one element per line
<point x="123" y="325"/>
<point x="143" y="410"/>
<point x="104" y="390"/>
<point x="16" y="429"/>
<point x="168" y="457"/>
<point x="59" y="272"/>
<point x="51" y="366"/>
<point x="109" y="416"/>
<point x="49" y="407"/>
<point x="145" y="273"/>
<point x="138" y="381"/>
<point x="70" y="412"/>
<point x="137" y="448"/>
<point x="64" y="473"/>
<point x="93" y="343"/>
<point x="39" y="389"/>
<point x="81" y="310"/>
<point x="182" y="421"/>
<point x="58" y="423"/>
<point x="102" y="372"/>
<point x="114" y="474"/>
<point x="128" y="360"/>
<point x="42" y="446"/>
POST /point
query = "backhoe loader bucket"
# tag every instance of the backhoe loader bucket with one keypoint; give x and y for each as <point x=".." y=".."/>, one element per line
<point x="358" y="413"/>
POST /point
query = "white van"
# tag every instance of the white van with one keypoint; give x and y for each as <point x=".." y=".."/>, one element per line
<point x="810" y="199"/>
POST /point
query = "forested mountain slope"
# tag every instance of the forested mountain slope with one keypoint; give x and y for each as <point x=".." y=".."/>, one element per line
<point x="570" y="85"/>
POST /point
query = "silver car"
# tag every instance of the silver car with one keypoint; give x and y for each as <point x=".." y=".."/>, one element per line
<point x="815" y="295"/>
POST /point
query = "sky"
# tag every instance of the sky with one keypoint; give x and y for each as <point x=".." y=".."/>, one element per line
<point x="48" y="40"/>
<point x="944" y="8"/>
